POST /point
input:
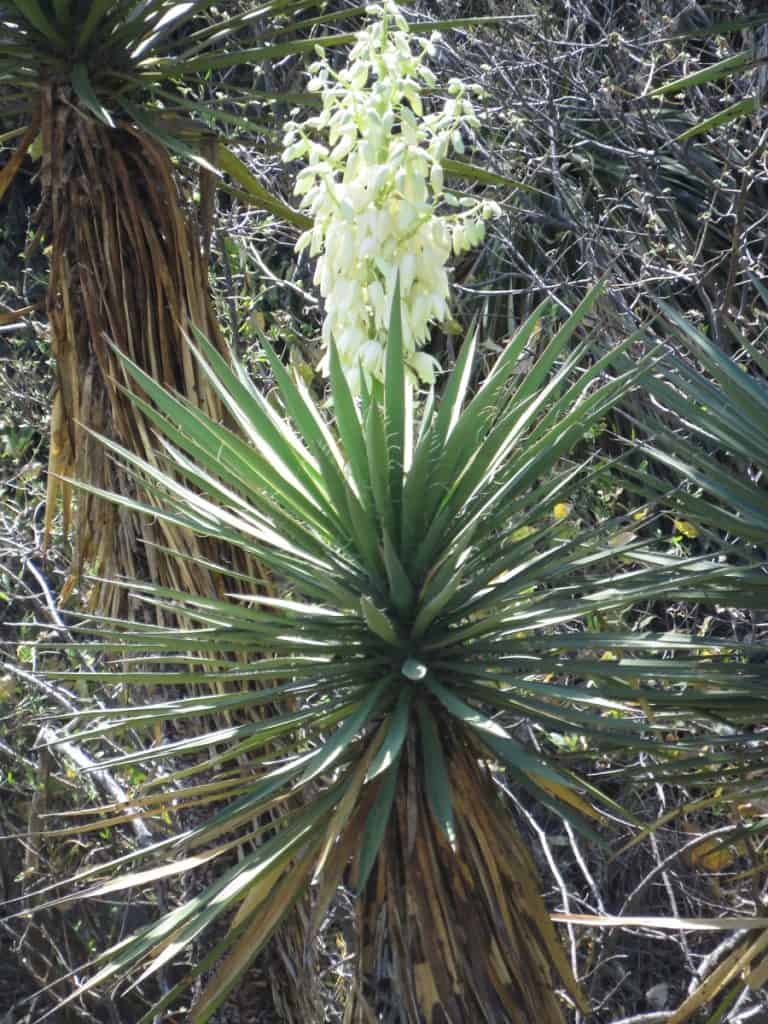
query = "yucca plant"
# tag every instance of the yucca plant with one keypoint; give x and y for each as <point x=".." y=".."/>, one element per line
<point x="710" y="430"/>
<point x="426" y="627"/>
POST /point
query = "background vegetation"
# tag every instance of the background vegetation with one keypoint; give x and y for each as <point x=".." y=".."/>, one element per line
<point x="662" y="190"/>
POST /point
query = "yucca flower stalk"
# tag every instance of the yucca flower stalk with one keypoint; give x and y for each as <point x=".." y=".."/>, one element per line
<point x="428" y="606"/>
<point x="373" y="183"/>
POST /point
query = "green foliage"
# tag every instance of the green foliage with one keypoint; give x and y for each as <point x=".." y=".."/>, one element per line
<point x="707" y="429"/>
<point x="717" y="439"/>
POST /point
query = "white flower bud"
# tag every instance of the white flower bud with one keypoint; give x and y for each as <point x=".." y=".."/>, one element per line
<point x="436" y="178"/>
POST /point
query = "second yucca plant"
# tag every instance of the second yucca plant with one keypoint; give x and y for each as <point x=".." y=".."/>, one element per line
<point x="423" y="626"/>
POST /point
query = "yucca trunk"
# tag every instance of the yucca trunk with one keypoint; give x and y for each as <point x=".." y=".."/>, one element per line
<point x="128" y="269"/>
<point x="456" y="936"/>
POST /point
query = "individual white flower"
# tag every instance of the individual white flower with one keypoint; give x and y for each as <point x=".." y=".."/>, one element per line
<point x="371" y="358"/>
<point x="373" y="188"/>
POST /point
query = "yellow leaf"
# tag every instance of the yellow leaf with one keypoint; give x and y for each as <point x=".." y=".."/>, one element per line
<point x="567" y="796"/>
<point x="687" y="529"/>
<point x="712" y="855"/>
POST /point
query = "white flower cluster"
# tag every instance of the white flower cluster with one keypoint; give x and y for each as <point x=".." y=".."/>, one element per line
<point x="373" y="189"/>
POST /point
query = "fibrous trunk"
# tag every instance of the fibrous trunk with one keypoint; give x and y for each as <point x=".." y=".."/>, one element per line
<point x="126" y="269"/>
<point x="457" y="936"/>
